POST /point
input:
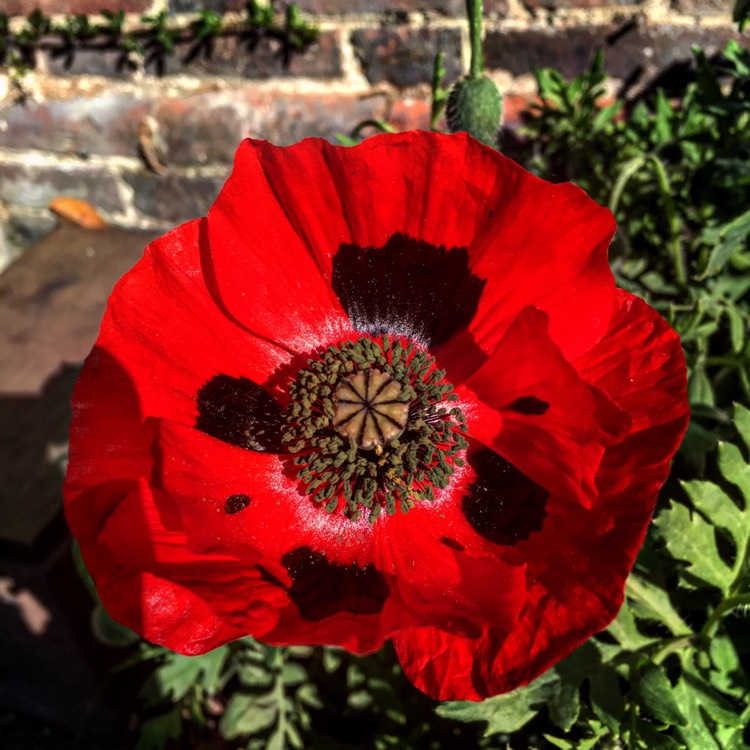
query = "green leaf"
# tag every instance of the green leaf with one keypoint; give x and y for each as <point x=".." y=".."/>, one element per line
<point x="654" y="691"/>
<point x="696" y="733"/>
<point x="565" y="706"/>
<point x="177" y="675"/>
<point x="700" y="388"/>
<point x="157" y="732"/>
<point x="720" y="709"/>
<point x="742" y="423"/>
<point x="736" y="329"/>
<point x="741" y="13"/>
<point x="719" y="508"/>
<point x="504" y="713"/>
<point x="563" y="744"/>
<point x="247" y="714"/>
<point x="689" y="538"/>
<point x="276" y="740"/>
<point x="109" y="632"/>
<point x="293" y="674"/>
<point x="655" y="740"/>
<point x="359" y="699"/>
<point x="254" y="675"/>
<point x="624" y="630"/>
<point x="651" y="602"/>
<point x="331" y="659"/>
<point x="725" y="241"/>
<point x="308" y="694"/>
<point x="212" y="665"/>
<point x="606" y="697"/>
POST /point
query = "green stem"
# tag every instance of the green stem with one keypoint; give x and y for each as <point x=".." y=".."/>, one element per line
<point x="675" y="246"/>
<point x="622" y="180"/>
<point x="672" y="646"/>
<point x="474" y="13"/>
<point x="724" y="608"/>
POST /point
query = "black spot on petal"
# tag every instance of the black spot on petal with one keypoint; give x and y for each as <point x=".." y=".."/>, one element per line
<point x="240" y="412"/>
<point x="408" y="288"/>
<point x="321" y="588"/>
<point x="452" y="543"/>
<point x="503" y="505"/>
<point x="235" y="504"/>
<point x="529" y="405"/>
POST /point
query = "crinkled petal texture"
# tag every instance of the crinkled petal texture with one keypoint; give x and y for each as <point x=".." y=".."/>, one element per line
<point x="188" y="507"/>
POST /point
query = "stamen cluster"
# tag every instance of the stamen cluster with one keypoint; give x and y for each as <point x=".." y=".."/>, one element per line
<point x="341" y="474"/>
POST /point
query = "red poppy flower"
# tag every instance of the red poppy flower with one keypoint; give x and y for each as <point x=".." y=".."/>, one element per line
<point x="388" y="391"/>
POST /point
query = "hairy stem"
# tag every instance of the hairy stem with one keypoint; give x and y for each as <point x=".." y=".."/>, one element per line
<point x="474" y="13"/>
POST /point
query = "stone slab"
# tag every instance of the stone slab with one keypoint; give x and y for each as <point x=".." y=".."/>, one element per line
<point x="51" y="303"/>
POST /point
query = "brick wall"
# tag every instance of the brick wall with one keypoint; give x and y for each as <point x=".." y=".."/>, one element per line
<point x="80" y="125"/>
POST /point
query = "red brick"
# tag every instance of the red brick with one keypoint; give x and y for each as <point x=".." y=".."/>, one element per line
<point x="404" y="56"/>
<point x="410" y="114"/>
<point x="106" y="125"/>
<point x="206" y="128"/>
<point x="514" y="105"/>
<point x="71" y="7"/>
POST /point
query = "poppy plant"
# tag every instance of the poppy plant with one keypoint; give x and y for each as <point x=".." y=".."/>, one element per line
<point x="388" y="391"/>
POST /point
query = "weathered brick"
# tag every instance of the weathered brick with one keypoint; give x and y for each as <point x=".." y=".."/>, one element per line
<point x="703" y="7"/>
<point x="206" y="128"/>
<point x="35" y="185"/>
<point x="250" y="56"/>
<point x="405" y="56"/>
<point x="218" y="6"/>
<point x="111" y="63"/>
<point x="201" y="129"/>
<point x="70" y="7"/>
<point x="106" y="125"/>
<point x="456" y="8"/>
<point x="628" y="52"/>
<point x="561" y="4"/>
<point x="173" y="197"/>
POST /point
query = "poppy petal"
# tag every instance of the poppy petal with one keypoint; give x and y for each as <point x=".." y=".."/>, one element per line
<point x="149" y="580"/>
<point x="533" y="408"/>
<point x="339" y="571"/>
<point x="579" y="561"/>
<point x="324" y="563"/>
<point x="176" y="338"/>
<point x="264" y="272"/>
<point x="554" y="258"/>
<point x="315" y="200"/>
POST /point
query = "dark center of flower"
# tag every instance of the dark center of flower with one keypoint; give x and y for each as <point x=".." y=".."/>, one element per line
<point x="373" y="426"/>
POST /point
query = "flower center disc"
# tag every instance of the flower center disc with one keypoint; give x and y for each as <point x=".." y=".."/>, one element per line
<point x="372" y="427"/>
<point x="369" y="408"/>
